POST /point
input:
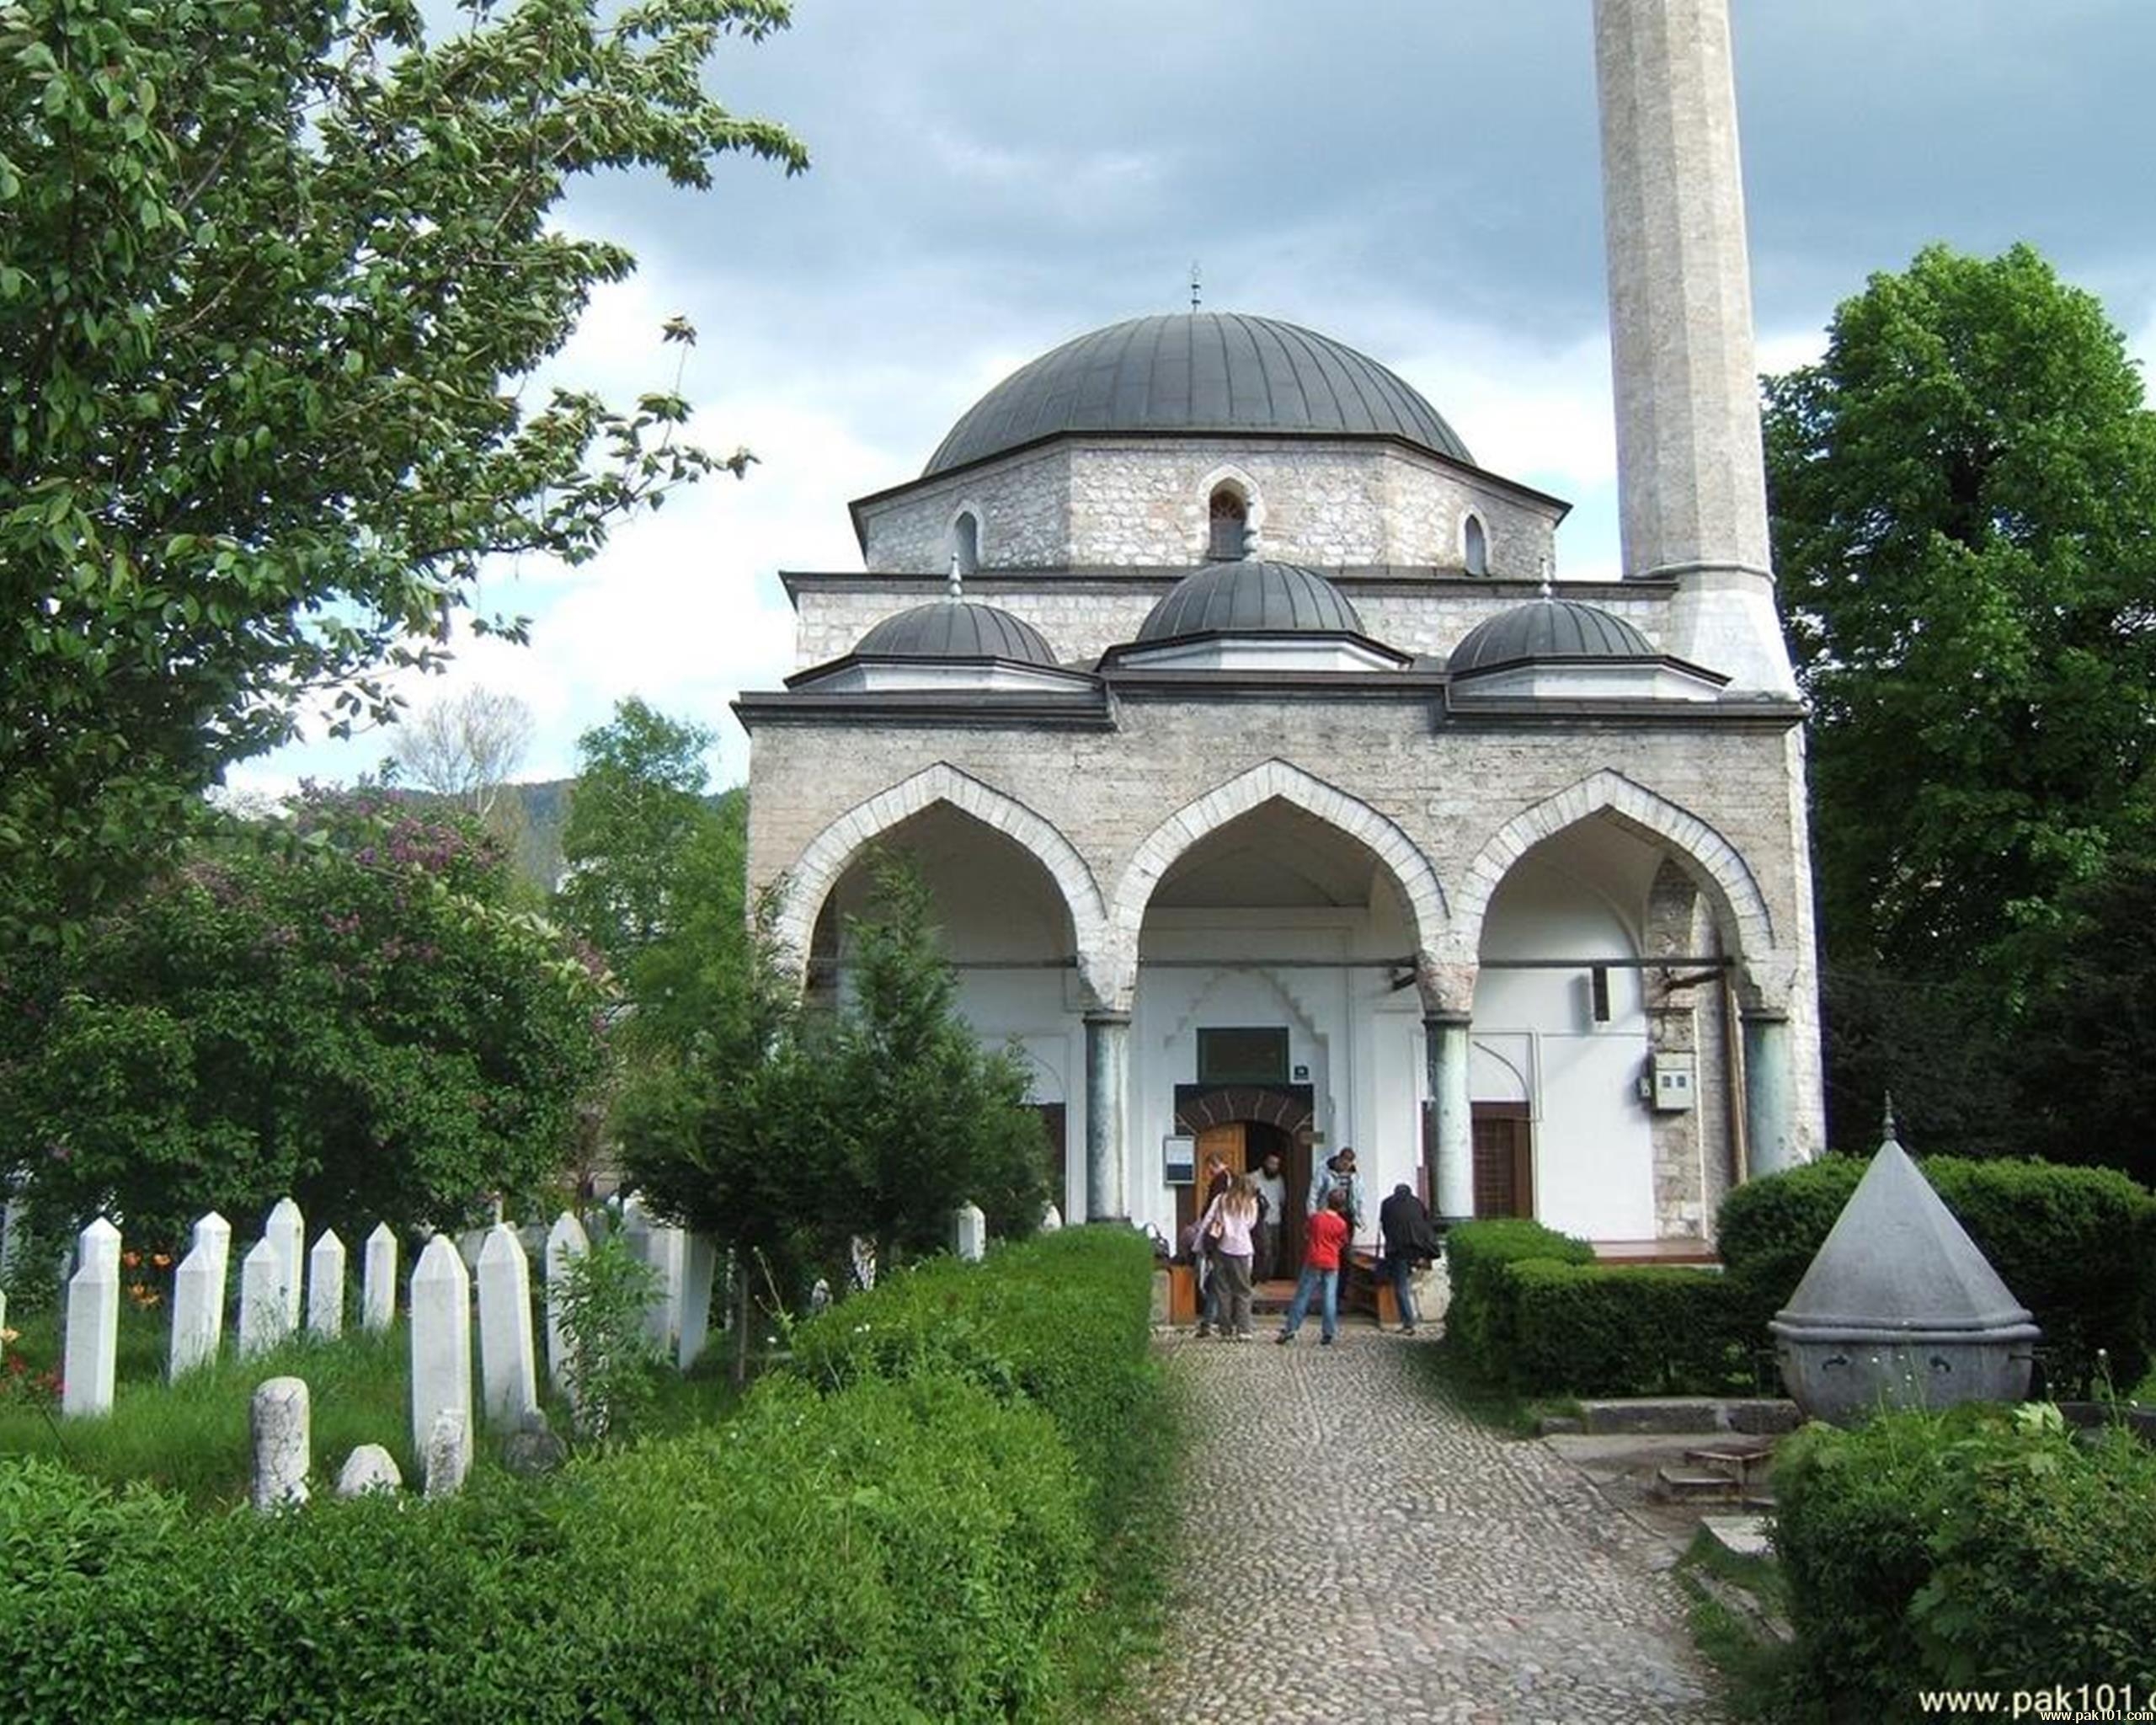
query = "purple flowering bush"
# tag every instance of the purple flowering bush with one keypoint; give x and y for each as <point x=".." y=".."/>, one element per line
<point x="342" y="1006"/>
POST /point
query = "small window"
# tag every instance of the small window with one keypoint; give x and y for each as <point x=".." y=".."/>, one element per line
<point x="965" y="541"/>
<point x="1474" y="546"/>
<point x="1229" y="538"/>
<point x="1256" y="1055"/>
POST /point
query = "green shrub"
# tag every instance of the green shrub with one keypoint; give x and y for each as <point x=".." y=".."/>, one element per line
<point x="897" y="1550"/>
<point x="1971" y="1547"/>
<point x="1063" y="1321"/>
<point x="1481" y="1319"/>
<point x="1624" y="1330"/>
<point x="2077" y="1246"/>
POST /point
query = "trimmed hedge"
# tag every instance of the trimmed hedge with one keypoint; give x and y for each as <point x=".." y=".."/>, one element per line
<point x="907" y="1527"/>
<point x="1063" y="1321"/>
<point x="1481" y="1318"/>
<point x="1624" y="1329"/>
<point x="1978" y="1547"/>
<point x="2077" y="1246"/>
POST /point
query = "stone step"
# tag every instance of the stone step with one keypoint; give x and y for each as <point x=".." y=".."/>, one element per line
<point x="1675" y="1486"/>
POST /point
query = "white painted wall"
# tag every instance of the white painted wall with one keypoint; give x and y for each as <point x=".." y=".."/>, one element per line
<point x="1535" y="1040"/>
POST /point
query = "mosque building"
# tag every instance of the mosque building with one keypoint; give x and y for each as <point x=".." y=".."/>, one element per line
<point x="1274" y="792"/>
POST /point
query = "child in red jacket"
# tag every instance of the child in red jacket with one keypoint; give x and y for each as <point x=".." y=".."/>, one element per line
<point x="1325" y="1236"/>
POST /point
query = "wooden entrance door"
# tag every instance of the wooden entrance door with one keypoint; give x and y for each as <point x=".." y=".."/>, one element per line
<point x="1504" y="1159"/>
<point x="1229" y="1143"/>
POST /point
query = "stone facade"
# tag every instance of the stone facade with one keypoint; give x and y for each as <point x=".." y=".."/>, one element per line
<point x="1134" y="503"/>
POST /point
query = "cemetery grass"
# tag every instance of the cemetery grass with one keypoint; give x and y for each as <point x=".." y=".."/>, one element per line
<point x="192" y="1437"/>
<point x="1754" y="1666"/>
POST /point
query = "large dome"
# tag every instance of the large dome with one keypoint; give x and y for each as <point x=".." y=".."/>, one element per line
<point x="956" y="628"/>
<point x="1250" y="599"/>
<point x="1546" y="629"/>
<point x="1197" y="371"/>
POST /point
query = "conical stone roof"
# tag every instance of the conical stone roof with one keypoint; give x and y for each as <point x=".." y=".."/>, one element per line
<point x="1896" y="1261"/>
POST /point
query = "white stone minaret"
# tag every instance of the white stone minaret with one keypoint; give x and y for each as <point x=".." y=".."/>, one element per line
<point x="1689" y="473"/>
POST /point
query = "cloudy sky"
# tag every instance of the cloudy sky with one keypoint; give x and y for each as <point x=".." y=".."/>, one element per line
<point x="1416" y="177"/>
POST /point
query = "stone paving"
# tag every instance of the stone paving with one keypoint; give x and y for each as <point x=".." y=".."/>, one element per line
<point x="1358" y="1548"/>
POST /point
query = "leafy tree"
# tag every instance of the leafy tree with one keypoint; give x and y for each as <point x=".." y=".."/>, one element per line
<point x="1964" y="495"/>
<point x="641" y="832"/>
<point x="272" y="279"/>
<point x="925" y="1119"/>
<point x="344" y="1009"/>
<point x="1964" y="502"/>
<point x="783" y="1130"/>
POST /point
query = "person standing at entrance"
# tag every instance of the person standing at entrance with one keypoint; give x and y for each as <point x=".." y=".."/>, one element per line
<point x="1339" y="1175"/>
<point x="1322" y="1242"/>
<point x="1205" y="1248"/>
<point x="1272" y="1187"/>
<point x="1228" y="1222"/>
<point x="1409" y="1243"/>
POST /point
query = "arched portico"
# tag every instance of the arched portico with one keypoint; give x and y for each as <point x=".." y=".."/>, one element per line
<point x="809" y="881"/>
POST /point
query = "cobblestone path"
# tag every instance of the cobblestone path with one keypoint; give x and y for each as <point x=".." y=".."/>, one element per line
<point x="1357" y="1548"/>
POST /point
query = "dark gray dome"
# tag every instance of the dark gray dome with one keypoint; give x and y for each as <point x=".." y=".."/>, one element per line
<point x="956" y="628"/>
<point x="1547" y="629"/>
<point x="1250" y="598"/>
<point x="1197" y="371"/>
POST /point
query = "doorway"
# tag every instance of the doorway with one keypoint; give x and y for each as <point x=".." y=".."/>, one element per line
<point x="1504" y="1159"/>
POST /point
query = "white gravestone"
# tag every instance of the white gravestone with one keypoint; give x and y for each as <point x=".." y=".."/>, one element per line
<point x="861" y="1252"/>
<point x="198" y="1306"/>
<point x="699" y="1267"/>
<point x="441" y="1345"/>
<point x="286" y="1232"/>
<point x="213" y="1238"/>
<point x="325" y="1287"/>
<point x="1051" y="1220"/>
<point x="655" y="1244"/>
<point x="378" y="1281"/>
<point x="506" y="1365"/>
<point x="281" y="1443"/>
<point x="565" y="1240"/>
<point x="970" y="1229"/>
<point x="369" y="1468"/>
<point x="265" y="1318"/>
<point x="93" y="1323"/>
<point x="447" y="1457"/>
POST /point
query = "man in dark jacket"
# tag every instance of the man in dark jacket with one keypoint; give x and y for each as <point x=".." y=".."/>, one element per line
<point x="1409" y="1243"/>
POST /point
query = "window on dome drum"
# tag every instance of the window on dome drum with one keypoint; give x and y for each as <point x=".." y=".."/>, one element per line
<point x="965" y="541"/>
<point x="1230" y="525"/>
<point x="1475" y="548"/>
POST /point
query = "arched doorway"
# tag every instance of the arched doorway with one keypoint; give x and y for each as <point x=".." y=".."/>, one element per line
<point x="1243" y="1124"/>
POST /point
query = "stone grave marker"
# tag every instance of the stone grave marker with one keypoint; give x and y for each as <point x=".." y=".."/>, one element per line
<point x="92" y="1334"/>
<point x="282" y="1454"/>
<point x="505" y="1364"/>
<point x="441" y="1350"/>
<point x="378" y="1281"/>
<point x="286" y="1232"/>
<point x="325" y="1287"/>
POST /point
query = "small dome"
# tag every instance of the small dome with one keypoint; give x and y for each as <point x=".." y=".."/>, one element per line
<point x="1198" y="372"/>
<point x="956" y="628"/>
<point x="1545" y="629"/>
<point x="1250" y="599"/>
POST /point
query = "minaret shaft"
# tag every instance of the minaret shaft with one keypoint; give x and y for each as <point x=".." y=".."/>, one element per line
<point x="1691" y="480"/>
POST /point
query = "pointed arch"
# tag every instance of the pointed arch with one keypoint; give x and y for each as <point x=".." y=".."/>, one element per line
<point x="809" y="883"/>
<point x="1740" y="906"/>
<point x="1263" y="783"/>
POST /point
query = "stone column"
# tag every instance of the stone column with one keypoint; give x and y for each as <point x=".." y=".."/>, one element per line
<point x="506" y="1370"/>
<point x="1107" y="1074"/>
<point x="283" y="1447"/>
<point x="264" y="1313"/>
<point x="198" y="1308"/>
<point x="325" y="1287"/>
<point x="441" y="1351"/>
<point x="1691" y="480"/>
<point x="286" y="1231"/>
<point x="378" y="1281"/>
<point x="93" y="1328"/>
<point x="1445" y="1048"/>
<point x="1769" y="1105"/>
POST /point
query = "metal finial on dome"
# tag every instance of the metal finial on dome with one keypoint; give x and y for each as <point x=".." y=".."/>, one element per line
<point x="1547" y="591"/>
<point x="1193" y="284"/>
<point x="1890" y="1135"/>
<point x="958" y="578"/>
